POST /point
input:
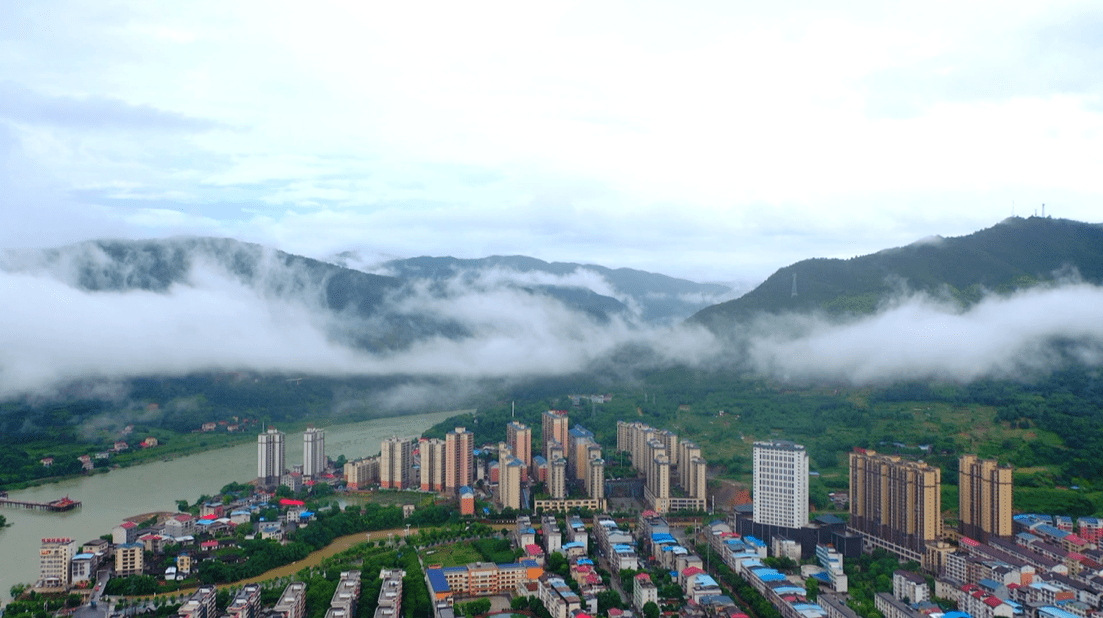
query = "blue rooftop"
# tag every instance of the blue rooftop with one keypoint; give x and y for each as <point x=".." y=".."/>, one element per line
<point x="437" y="580"/>
<point x="706" y="580"/>
<point x="1052" y="531"/>
<point x="1055" y="613"/>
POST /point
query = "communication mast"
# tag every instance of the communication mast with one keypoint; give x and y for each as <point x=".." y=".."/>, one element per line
<point x="794" y="285"/>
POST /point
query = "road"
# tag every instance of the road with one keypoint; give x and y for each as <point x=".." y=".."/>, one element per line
<point x="100" y="609"/>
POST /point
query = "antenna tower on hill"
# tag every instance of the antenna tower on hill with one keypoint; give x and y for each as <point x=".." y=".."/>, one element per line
<point x="794" y="285"/>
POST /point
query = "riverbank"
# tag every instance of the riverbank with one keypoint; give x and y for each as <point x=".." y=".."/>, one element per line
<point x="157" y="486"/>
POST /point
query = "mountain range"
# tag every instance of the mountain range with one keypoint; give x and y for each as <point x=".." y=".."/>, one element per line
<point x="108" y="310"/>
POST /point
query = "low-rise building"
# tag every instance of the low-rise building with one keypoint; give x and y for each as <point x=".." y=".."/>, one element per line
<point x="557" y="596"/>
<point x="643" y="591"/>
<point x="129" y="559"/>
<point x="910" y="586"/>
<point x="126" y="532"/>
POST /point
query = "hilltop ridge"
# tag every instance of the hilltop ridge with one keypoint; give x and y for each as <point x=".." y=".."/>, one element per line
<point x="1013" y="254"/>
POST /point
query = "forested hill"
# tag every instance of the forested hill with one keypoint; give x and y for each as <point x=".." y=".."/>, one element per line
<point x="653" y="297"/>
<point x="1013" y="254"/>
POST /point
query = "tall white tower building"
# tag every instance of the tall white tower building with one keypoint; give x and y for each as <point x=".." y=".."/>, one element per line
<point x="314" y="452"/>
<point x="780" y="484"/>
<point x="270" y="457"/>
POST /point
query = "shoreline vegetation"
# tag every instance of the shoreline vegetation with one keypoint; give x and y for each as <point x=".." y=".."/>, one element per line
<point x="170" y="446"/>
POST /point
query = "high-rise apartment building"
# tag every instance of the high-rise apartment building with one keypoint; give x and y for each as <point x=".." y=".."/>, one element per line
<point x="54" y="558"/>
<point x="696" y="484"/>
<point x="895" y="503"/>
<point x="657" y="488"/>
<point x="780" y="484"/>
<point x="687" y="451"/>
<point x="595" y="478"/>
<point x="641" y="449"/>
<point x="554" y="429"/>
<point x="984" y="498"/>
<point x="432" y="464"/>
<point x="270" y="457"/>
<point x="579" y="440"/>
<point x="246" y="603"/>
<point x="314" y="452"/>
<point x="670" y="441"/>
<point x="396" y="459"/>
<point x="292" y="603"/>
<point x="556" y="451"/>
<point x="557" y="478"/>
<point x="201" y="604"/>
<point x="519" y="437"/>
<point x="459" y="459"/>
<point x="509" y="485"/>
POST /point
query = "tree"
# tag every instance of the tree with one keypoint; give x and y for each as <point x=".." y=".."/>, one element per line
<point x="812" y="588"/>
<point x="651" y="610"/>
<point x="606" y="600"/>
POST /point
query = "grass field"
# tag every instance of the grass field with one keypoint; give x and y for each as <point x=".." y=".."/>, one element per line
<point x="456" y="554"/>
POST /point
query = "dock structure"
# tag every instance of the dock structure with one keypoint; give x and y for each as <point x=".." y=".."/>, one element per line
<point x="54" y="506"/>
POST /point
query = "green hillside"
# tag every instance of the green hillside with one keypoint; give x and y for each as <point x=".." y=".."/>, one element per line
<point x="1014" y="254"/>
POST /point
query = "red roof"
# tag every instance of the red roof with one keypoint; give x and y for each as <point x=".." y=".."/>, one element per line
<point x="207" y="544"/>
<point x="533" y="549"/>
<point x="970" y="542"/>
<point x="129" y="524"/>
<point x="643" y="576"/>
<point x="290" y="502"/>
<point x="209" y="516"/>
<point x="691" y="571"/>
<point x="993" y="602"/>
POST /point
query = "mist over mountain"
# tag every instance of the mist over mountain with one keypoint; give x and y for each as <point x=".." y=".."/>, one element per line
<point x="650" y="297"/>
<point x="113" y="310"/>
<point x="1014" y="301"/>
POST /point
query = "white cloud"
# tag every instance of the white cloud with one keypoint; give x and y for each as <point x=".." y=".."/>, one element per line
<point x="713" y="141"/>
<point x="922" y="338"/>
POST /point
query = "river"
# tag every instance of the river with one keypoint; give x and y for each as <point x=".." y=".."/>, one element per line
<point x="110" y="498"/>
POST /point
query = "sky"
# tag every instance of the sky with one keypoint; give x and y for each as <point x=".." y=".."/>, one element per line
<point x="715" y="141"/>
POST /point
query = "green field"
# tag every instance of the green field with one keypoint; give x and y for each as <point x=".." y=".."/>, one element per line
<point x="456" y="554"/>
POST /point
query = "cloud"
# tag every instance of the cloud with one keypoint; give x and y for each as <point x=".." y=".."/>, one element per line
<point x="1057" y="53"/>
<point x="209" y="319"/>
<point x="920" y="338"/>
<point x="21" y="104"/>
